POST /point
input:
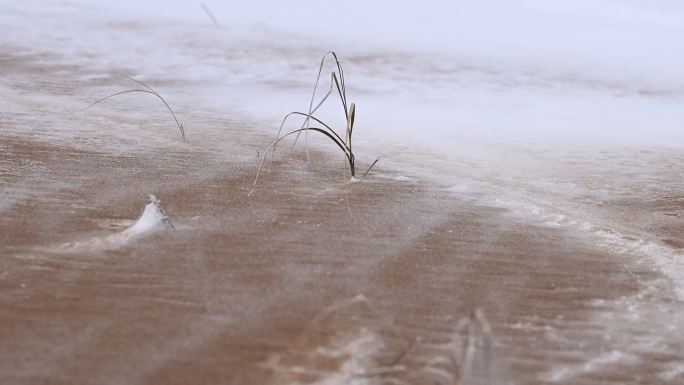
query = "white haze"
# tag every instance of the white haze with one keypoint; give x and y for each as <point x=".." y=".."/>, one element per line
<point x="571" y="73"/>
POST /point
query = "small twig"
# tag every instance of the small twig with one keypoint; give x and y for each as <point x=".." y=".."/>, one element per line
<point x="211" y="15"/>
<point x="369" y="168"/>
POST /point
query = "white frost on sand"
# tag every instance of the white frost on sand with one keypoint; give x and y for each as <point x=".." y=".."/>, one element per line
<point x="358" y="353"/>
<point x="464" y="185"/>
<point x="668" y="260"/>
<point x="459" y="188"/>
<point x="398" y="178"/>
<point x="152" y="220"/>
<point x="567" y="372"/>
<point x="674" y="371"/>
<point x="353" y="357"/>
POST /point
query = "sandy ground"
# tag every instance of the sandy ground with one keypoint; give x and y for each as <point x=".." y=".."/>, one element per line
<point x="572" y="258"/>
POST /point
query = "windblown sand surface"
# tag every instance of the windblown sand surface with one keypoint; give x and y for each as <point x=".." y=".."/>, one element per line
<point x="572" y="260"/>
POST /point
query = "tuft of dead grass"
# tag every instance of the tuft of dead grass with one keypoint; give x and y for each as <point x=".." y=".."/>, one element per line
<point x="311" y="123"/>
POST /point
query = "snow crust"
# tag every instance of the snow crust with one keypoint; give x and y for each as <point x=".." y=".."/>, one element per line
<point x="153" y="218"/>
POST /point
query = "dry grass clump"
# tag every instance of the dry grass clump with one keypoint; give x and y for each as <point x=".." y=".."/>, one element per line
<point x="314" y="124"/>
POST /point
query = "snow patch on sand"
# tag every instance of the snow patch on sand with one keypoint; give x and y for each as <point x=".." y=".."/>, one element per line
<point x="353" y="360"/>
<point x="460" y="188"/>
<point x="152" y="220"/>
<point x="669" y="261"/>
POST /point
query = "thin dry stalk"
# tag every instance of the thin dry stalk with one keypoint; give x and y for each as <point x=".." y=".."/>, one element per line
<point x="148" y="90"/>
<point x="369" y="168"/>
<point x="211" y="15"/>
<point x="478" y="337"/>
<point x="313" y="96"/>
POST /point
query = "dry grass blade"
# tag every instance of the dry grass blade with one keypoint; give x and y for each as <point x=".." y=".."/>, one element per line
<point x="332" y="81"/>
<point x="313" y="97"/>
<point x="148" y="90"/>
<point x="328" y="133"/>
<point x="312" y="109"/>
